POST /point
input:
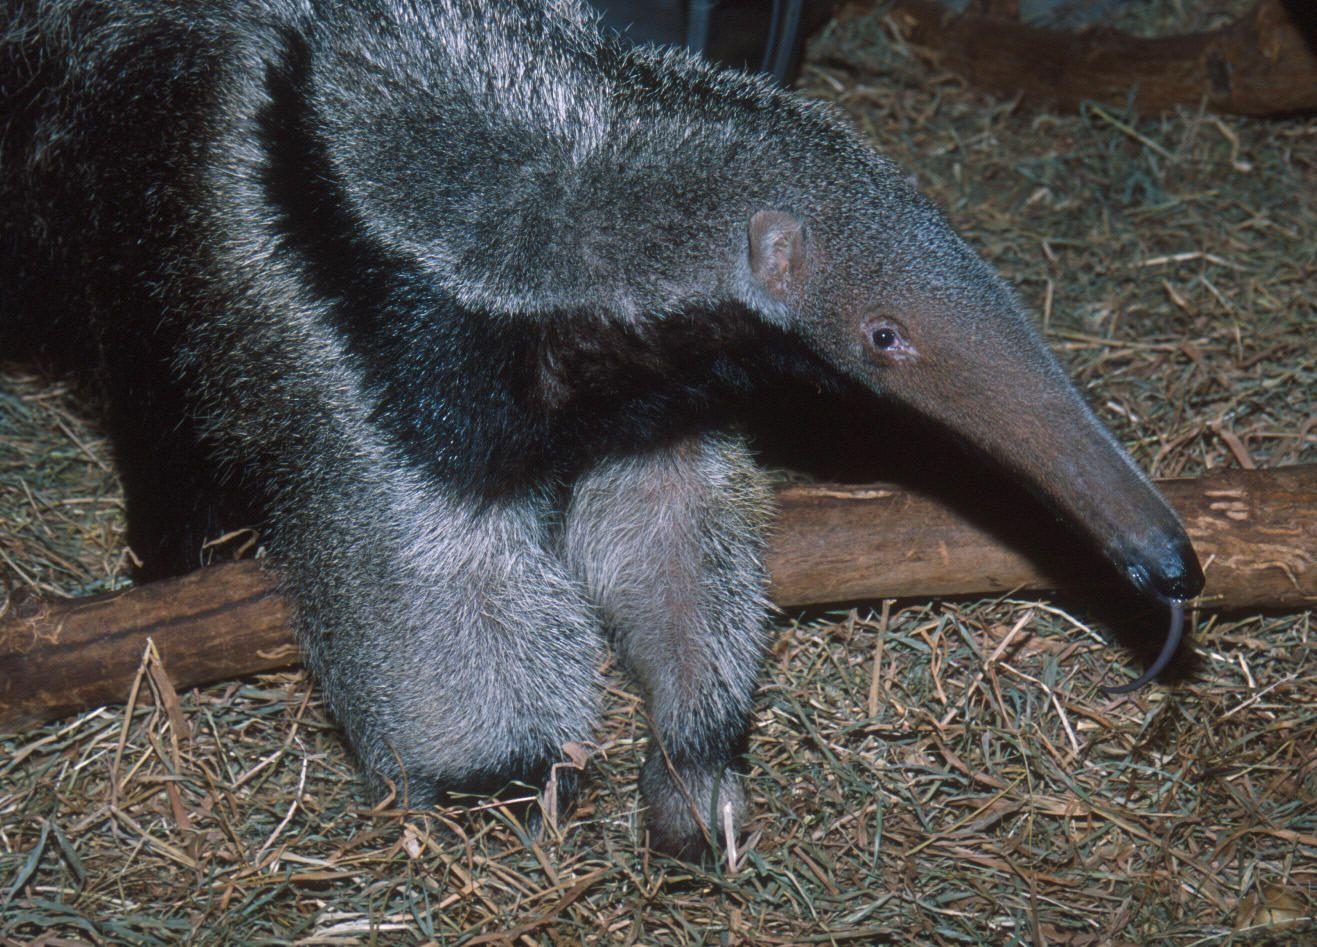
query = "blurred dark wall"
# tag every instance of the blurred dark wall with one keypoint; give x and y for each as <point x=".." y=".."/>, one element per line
<point x="759" y="35"/>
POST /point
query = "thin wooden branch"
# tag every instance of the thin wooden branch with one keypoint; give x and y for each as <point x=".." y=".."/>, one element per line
<point x="1264" y="63"/>
<point x="1256" y="532"/>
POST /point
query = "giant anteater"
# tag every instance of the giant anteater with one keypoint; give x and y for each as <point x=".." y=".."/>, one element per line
<point x="459" y="302"/>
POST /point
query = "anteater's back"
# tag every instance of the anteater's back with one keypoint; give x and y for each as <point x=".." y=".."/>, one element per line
<point x="105" y="109"/>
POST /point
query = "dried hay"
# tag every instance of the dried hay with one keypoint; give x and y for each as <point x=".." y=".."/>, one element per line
<point x="933" y="773"/>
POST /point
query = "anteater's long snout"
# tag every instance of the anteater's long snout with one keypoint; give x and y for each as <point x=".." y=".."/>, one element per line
<point x="1086" y="475"/>
<point x="992" y="381"/>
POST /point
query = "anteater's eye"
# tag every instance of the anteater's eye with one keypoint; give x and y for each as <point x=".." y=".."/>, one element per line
<point x="884" y="337"/>
<point x="887" y="340"/>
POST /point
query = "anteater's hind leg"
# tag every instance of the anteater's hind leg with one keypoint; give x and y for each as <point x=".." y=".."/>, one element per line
<point x="176" y="496"/>
<point x="670" y="547"/>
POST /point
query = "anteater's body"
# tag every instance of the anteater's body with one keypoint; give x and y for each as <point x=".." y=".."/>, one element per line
<point x="456" y="303"/>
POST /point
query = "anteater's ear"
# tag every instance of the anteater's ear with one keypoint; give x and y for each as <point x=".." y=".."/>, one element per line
<point x="777" y="252"/>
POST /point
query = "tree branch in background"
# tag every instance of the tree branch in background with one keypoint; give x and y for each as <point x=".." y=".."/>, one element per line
<point x="1264" y="63"/>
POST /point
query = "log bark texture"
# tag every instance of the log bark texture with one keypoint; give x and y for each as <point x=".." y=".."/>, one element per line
<point x="1264" y="63"/>
<point x="1255" y="532"/>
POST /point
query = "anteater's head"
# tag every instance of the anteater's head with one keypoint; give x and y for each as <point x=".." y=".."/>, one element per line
<point x="892" y="298"/>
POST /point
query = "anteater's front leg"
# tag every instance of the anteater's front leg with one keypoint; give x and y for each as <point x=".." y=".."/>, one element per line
<point x="670" y="547"/>
<point x="451" y="642"/>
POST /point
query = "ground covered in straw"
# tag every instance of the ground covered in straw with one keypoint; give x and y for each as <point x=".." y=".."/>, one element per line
<point x="922" y="772"/>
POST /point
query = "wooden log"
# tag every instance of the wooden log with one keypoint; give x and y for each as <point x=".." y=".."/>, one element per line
<point x="1256" y="532"/>
<point x="59" y="656"/>
<point x="1264" y="63"/>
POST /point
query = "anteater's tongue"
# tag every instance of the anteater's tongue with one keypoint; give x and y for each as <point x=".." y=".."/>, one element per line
<point x="1173" y="636"/>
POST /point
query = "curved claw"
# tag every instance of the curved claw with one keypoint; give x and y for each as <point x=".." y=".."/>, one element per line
<point x="1173" y="636"/>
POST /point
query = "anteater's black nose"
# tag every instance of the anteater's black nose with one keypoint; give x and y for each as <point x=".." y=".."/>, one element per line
<point x="1169" y="569"/>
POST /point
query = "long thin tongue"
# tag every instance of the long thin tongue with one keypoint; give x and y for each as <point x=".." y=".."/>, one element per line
<point x="1173" y="636"/>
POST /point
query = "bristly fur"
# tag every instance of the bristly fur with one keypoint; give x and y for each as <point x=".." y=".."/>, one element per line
<point x="457" y="301"/>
